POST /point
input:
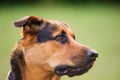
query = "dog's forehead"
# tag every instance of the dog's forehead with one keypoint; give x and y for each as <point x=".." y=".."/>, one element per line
<point x="51" y="28"/>
<point x="58" y="23"/>
<point x="61" y="26"/>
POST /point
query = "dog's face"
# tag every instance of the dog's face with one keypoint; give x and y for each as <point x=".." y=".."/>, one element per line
<point x="52" y="44"/>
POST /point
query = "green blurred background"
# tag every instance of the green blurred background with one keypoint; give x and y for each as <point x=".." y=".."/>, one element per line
<point x="96" y="23"/>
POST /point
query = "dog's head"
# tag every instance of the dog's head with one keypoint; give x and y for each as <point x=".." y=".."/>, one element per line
<point x="51" y="45"/>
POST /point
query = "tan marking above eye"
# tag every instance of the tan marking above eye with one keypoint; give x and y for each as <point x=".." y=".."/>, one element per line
<point x="73" y="36"/>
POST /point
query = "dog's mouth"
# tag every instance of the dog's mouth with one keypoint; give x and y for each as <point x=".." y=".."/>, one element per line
<point x="72" y="70"/>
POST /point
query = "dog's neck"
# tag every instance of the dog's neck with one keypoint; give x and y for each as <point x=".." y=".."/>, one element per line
<point x="27" y="70"/>
<point x="32" y="73"/>
<point x="36" y="73"/>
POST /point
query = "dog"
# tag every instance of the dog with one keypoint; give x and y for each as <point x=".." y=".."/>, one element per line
<point x="47" y="51"/>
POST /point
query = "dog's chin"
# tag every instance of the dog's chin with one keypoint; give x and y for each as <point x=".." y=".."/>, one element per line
<point x="72" y="70"/>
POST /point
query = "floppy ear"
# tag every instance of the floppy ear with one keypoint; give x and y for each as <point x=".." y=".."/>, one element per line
<point x="22" y="21"/>
<point x="27" y="19"/>
<point x="30" y="24"/>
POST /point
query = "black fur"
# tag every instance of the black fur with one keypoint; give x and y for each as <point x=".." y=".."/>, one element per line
<point x="17" y="60"/>
<point x="45" y="34"/>
<point x="11" y="76"/>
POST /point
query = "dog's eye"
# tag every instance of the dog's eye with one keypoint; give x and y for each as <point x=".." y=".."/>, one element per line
<point x="61" y="38"/>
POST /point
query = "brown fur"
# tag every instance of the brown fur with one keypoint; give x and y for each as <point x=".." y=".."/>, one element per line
<point x="35" y="58"/>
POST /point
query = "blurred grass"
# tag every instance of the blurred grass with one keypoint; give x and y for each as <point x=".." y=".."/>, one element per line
<point x="97" y="26"/>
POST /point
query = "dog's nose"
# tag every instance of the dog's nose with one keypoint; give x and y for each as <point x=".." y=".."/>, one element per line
<point x="92" y="54"/>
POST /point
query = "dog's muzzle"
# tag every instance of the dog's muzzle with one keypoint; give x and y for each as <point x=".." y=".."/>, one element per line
<point x="80" y="68"/>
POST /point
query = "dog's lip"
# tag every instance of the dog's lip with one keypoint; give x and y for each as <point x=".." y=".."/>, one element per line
<point x="72" y="70"/>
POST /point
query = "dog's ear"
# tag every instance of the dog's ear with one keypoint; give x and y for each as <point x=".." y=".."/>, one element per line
<point x="21" y="22"/>
<point x="30" y="24"/>
<point x="28" y="20"/>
